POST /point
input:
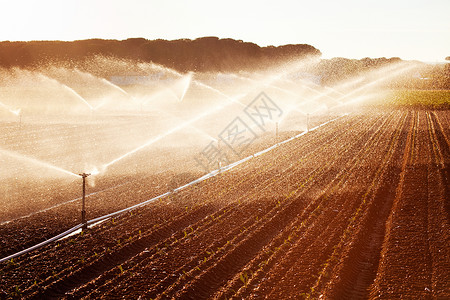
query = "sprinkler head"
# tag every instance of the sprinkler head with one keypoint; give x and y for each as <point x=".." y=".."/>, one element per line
<point x="94" y="172"/>
<point x="84" y="175"/>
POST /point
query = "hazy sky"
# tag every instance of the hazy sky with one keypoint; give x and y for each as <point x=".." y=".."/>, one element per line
<point x="410" y="29"/>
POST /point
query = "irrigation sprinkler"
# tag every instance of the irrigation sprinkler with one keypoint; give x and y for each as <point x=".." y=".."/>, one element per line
<point x="276" y="130"/>
<point x="83" y="206"/>
<point x="219" y="165"/>
<point x="307" y="122"/>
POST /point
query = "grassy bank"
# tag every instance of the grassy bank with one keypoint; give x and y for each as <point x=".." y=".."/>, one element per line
<point x="432" y="99"/>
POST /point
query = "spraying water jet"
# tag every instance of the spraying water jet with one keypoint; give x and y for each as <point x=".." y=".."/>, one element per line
<point x="69" y="89"/>
<point x="167" y="133"/>
<point x="13" y="111"/>
<point x="187" y="85"/>
<point x="36" y="162"/>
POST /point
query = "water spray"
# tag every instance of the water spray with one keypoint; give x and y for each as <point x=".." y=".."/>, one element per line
<point x="78" y="96"/>
<point x="118" y="88"/>
<point x="186" y="86"/>
<point x="398" y="70"/>
<point x="167" y="133"/>
<point x="67" y="88"/>
<point x="35" y="161"/>
<point x="13" y="111"/>
<point x="231" y="99"/>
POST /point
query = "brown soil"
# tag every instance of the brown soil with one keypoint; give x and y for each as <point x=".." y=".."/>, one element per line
<point x="358" y="209"/>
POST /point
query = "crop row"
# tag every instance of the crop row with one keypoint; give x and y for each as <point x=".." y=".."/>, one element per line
<point x="356" y="209"/>
<point x="165" y="220"/>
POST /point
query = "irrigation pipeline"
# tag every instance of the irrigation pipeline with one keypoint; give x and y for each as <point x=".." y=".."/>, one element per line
<point x="209" y="175"/>
<point x="53" y="239"/>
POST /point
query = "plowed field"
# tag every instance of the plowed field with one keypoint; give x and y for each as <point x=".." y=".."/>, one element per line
<point x="357" y="209"/>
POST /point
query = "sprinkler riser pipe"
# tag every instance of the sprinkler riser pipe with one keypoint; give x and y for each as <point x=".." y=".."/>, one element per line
<point x="83" y="201"/>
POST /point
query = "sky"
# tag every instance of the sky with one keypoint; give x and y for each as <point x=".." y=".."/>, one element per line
<point x="413" y="29"/>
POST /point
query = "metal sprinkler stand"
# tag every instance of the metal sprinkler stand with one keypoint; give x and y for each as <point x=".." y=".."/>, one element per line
<point x="83" y="206"/>
<point x="219" y="164"/>
<point x="276" y="131"/>
<point x="307" y="122"/>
